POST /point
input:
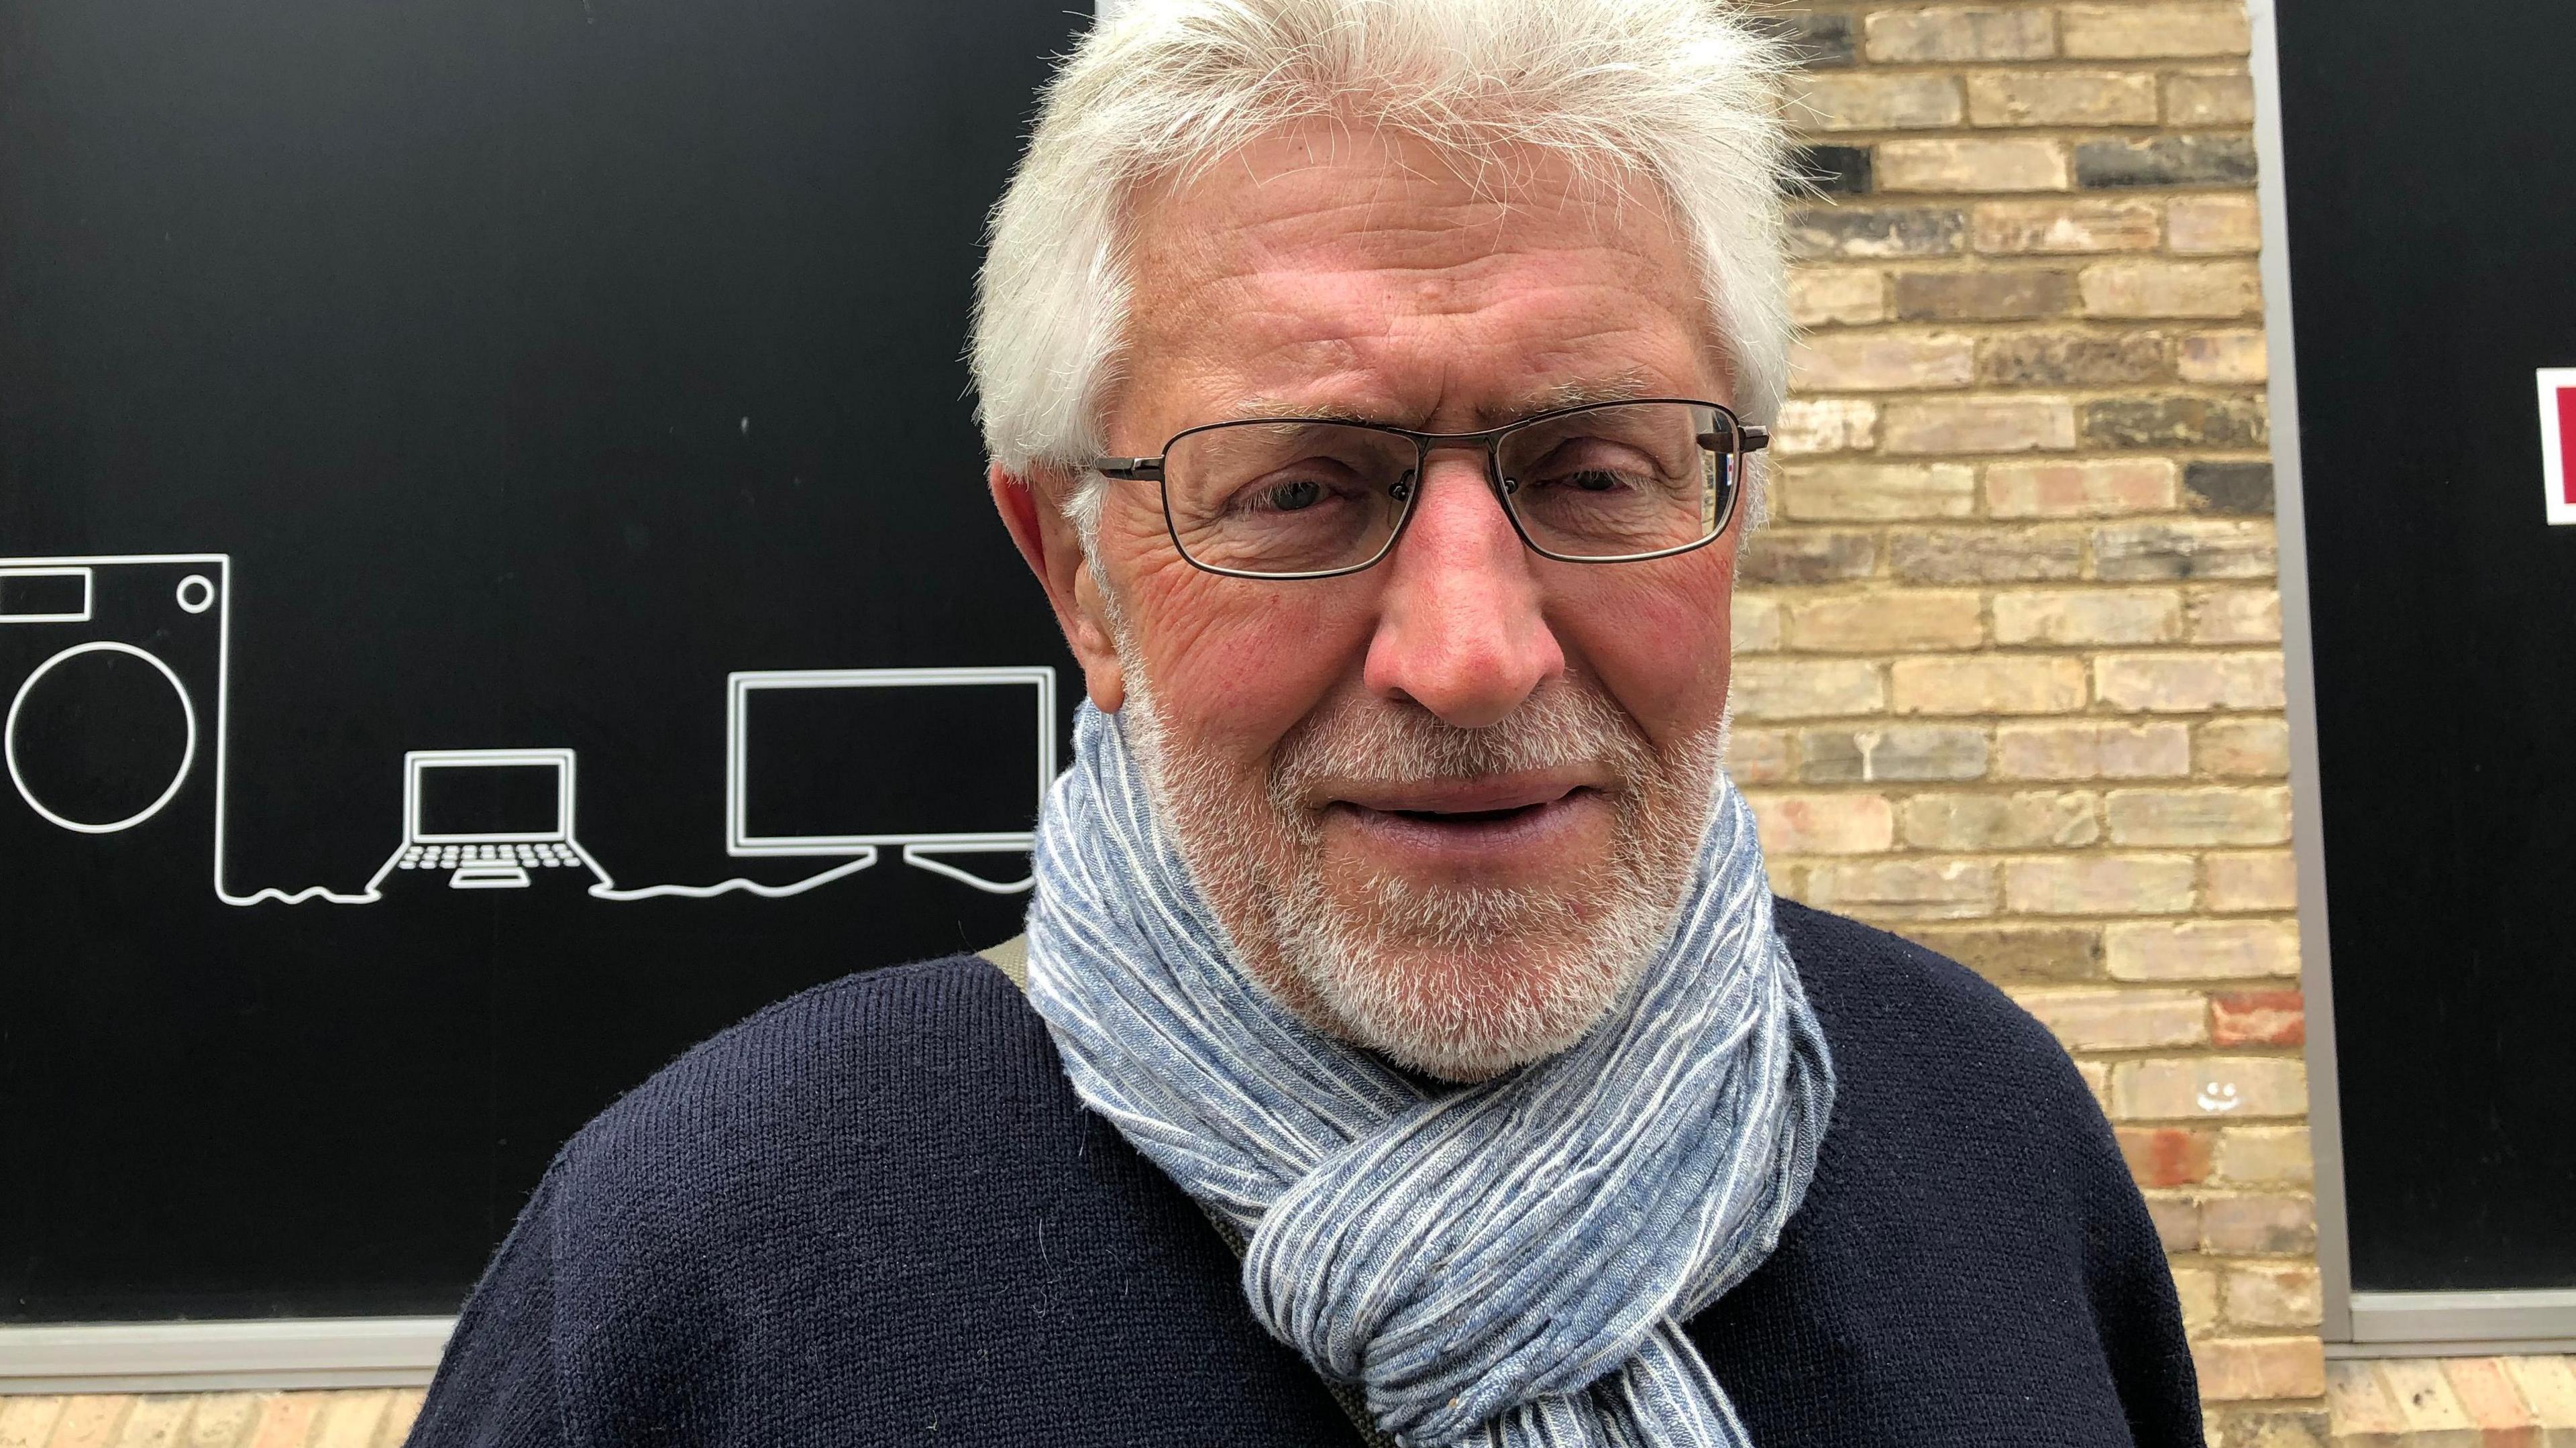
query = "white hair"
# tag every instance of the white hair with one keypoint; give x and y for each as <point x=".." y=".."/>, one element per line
<point x="1680" y="93"/>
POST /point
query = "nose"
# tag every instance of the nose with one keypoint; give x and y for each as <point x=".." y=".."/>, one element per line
<point x="1460" y="629"/>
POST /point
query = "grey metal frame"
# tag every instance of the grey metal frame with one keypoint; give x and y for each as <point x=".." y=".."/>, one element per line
<point x="2357" y="1324"/>
<point x="182" y="1357"/>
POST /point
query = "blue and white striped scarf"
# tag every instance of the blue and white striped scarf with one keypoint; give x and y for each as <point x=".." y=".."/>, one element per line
<point x="1504" y="1264"/>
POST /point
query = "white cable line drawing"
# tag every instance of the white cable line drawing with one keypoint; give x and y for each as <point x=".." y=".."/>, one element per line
<point x="921" y="849"/>
<point x="501" y="859"/>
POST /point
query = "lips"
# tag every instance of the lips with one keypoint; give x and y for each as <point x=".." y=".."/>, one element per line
<point x="1516" y="826"/>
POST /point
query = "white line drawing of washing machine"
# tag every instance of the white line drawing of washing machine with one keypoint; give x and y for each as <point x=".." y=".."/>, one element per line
<point x="117" y="669"/>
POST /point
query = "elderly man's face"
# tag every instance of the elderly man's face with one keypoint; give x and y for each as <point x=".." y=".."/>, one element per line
<point x="1444" y="806"/>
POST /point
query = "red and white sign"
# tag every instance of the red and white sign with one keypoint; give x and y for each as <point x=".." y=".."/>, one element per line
<point x="2558" y="441"/>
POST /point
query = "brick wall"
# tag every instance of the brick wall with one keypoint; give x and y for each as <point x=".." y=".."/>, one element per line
<point x="2008" y="664"/>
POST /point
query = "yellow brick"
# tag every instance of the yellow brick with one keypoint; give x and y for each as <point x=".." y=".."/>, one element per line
<point x="2089" y="616"/>
<point x="1862" y="101"/>
<point x="2219" y="357"/>
<point x="28" y="1422"/>
<point x="2062" y="98"/>
<point x="2257" y="1223"/>
<point x="2199" y="816"/>
<point x="2247" y="1369"/>
<point x="1808" y="427"/>
<point x="1883" y="361"/>
<point x="2272" y="1294"/>
<point x="90" y="1420"/>
<point x="400" y="1415"/>
<point x="2099" y="885"/>
<point x="2197" y="1290"/>
<point x="2189" y="683"/>
<point x="2244" y="748"/>
<point x="1904" y="889"/>
<point x="2264" y="1154"/>
<point x="2201" y="949"/>
<point x="2207" y="225"/>
<point x="222" y="1420"/>
<point x="1819" y="298"/>
<point x="1823" y="824"/>
<point x="2119" y="1020"/>
<point x="2235" y="616"/>
<point x="286" y="1420"/>
<point x="1758" y="756"/>
<point x="2208" y="1087"/>
<point x="2425" y="1399"/>
<point x="1978" y="425"/>
<point x="2135" y="32"/>
<point x="1899" y="620"/>
<point x="1986" y="685"/>
<point x="2257" y="880"/>
<point x="2032" y="820"/>
<point x="2089" y="488"/>
<point x="2171" y="289"/>
<point x="350" y="1419"/>
<point x="1996" y="165"/>
<point x="156" y="1422"/>
<point x="2360" y="1404"/>
<point x="2548" y="1384"/>
<point x="2092" y="750"/>
<point x="2225" y="99"/>
<point x="1756" y="624"/>
<point x="1806" y="689"/>
<point x="1938" y="33"/>
<point x="1870" y="491"/>
<point x="2058" y="228"/>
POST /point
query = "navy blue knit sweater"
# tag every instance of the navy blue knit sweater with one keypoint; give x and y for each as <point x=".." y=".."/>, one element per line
<point x="874" y="1214"/>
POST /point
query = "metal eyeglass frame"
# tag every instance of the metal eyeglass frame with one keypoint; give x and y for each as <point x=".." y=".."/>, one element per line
<point x="1748" y="440"/>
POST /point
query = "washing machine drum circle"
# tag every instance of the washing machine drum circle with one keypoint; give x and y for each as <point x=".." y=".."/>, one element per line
<point x="100" y="737"/>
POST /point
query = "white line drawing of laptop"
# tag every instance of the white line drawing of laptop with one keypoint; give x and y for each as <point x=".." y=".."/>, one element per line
<point x="488" y="817"/>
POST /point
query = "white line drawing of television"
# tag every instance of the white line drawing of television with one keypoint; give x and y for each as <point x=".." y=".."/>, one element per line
<point x="924" y="848"/>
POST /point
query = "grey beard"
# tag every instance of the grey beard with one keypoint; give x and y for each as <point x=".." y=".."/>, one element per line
<point x="1460" y="982"/>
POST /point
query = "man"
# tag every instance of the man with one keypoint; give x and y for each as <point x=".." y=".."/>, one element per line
<point x="1412" y="1050"/>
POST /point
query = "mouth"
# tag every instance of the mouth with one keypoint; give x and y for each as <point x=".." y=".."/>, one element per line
<point x="1469" y="822"/>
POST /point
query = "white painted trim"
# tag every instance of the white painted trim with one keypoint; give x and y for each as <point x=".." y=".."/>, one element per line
<point x="164" y="1357"/>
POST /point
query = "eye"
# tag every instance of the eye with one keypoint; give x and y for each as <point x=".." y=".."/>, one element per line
<point x="1591" y="480"/>
<point x="1292" y="497"/>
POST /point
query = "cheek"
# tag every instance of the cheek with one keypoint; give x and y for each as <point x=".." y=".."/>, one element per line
<point x="1234" y="664"/>
<point x="1656" y="637"/>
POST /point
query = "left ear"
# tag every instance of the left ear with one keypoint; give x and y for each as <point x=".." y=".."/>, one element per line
<point x="1032" y="508"/>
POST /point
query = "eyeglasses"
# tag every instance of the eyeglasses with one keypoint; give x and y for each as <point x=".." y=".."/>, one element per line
<point x="1612" y="482"/>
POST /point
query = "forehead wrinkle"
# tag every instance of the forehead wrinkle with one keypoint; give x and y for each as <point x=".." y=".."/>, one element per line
<point x="1624" y="385"/>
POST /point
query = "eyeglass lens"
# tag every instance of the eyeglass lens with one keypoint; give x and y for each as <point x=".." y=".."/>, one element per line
<point x="1314" y="497"/>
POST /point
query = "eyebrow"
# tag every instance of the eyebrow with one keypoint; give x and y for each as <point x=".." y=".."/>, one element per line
<point x="1622" y="387"/>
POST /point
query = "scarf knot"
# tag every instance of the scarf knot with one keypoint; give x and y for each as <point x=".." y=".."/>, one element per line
<point x="1507" y="1263"/>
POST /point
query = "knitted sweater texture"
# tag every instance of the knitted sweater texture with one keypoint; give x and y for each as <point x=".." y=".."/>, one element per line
<point x="875" y="1214"/>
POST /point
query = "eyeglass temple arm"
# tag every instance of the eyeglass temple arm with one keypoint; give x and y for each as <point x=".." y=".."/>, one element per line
<point x="1755" y="439"/>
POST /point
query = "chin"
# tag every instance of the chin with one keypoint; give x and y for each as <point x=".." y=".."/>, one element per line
<point x="1461" y="983"/>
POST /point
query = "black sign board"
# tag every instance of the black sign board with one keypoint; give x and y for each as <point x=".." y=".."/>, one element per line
<point x="2431" y="181"/>
<point x="495" y="585"/>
